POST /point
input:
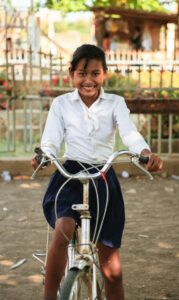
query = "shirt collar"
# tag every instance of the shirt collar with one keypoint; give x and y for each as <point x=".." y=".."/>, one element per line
<point x="76" y="96"/>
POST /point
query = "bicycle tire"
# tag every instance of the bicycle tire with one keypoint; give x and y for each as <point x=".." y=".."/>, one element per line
<point x="78" y="286"/>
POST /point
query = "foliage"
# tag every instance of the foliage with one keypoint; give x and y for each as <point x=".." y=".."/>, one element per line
<point x="66" y="5"/>
<point x="2" y="76"/>
<point x="146" y="5"/>
<point x="80" y="5"/>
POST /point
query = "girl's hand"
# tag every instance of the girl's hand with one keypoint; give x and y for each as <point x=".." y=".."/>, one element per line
<point x="155" y="163"/>
<point x="34" y="163"/>
<point x="37" y="159"/>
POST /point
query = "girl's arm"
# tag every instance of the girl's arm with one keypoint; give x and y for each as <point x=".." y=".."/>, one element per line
<point x="133" y="139"/>
<point x="127" y="130"/>
<point x="54" y="129"/>
<point x="53" y="132"/>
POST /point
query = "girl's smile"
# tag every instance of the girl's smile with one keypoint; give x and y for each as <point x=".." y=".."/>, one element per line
<point x="89" y="80"/>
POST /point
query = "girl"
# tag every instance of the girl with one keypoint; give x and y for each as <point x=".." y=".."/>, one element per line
<point x="87" y="118"/>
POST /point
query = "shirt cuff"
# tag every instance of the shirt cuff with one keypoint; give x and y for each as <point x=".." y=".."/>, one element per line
<point x="139" y="147"/>
<point x="49" y="149"/>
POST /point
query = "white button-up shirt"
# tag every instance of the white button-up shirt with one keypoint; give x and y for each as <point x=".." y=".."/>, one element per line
<point x="89" y="132"/>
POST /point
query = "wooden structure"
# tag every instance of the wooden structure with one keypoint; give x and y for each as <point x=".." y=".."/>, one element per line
<point x="13" y="28"/>
<point x="120" y="25"/>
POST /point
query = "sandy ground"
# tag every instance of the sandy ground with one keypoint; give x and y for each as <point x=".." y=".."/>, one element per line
<point x="150" y="251"/>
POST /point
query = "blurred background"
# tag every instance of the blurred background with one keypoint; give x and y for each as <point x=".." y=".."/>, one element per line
<point x="141" y="42"/>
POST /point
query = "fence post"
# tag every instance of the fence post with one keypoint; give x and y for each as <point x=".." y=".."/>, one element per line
<point x="159" y="133"/>
<point x="40" y="65"/>
<point x="149" y="129"/>
<point x="30" y="64"/>
<point x="170" y="133"/>
<point x="50" y="69"/>
<point x="171" y="79"/>
<point x="25" y="125"/>
<point x="150" y="76"/>
<point x="61" y="71"/>
<point x="13" y="110"/>
<point x="161" y="77"/>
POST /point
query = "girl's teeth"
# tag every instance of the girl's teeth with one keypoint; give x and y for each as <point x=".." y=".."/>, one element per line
<point x="88" y="87"/>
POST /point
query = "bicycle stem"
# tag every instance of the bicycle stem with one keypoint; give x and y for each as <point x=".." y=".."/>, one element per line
<point x="83" y="210"/>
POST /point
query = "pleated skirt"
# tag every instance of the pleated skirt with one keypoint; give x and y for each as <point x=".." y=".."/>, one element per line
<point x="72" y="193"/>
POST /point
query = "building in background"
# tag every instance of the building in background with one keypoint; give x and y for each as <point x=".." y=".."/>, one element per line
<point x="157" y="30"/>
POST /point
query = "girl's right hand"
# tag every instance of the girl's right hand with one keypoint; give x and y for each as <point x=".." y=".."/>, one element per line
<point x="37" y="159"/>
<point x="34" y="163"/>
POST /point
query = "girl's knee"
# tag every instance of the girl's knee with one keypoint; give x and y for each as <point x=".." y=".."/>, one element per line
<point x="113" y="275"/>
<point x="114" y="278"/>
<point x="110" y="264"/>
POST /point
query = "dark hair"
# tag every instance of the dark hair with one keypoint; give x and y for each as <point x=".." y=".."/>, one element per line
<point x="88" y="52"/>
<point x="137" y="28"/>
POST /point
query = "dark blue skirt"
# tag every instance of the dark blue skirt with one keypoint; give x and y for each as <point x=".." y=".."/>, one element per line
<point x="72" y="193"/>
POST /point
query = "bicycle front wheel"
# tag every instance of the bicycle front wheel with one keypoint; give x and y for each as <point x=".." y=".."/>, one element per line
<point x="78" y="286"/>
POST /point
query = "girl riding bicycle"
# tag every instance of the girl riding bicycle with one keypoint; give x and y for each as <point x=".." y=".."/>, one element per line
<point x="87" y="119"/>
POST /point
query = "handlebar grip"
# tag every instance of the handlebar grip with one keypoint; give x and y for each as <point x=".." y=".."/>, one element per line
<point x="38" y="151"/>
<point x="143" y="159"/>
<point x="39" y="156"/>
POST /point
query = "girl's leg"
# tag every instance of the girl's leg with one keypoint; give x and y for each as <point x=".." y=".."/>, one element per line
<point x="57" y="256"/>
<point x="111" y="268"/>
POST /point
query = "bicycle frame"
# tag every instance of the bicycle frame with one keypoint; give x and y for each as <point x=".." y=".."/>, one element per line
<point x="84" y="258"/>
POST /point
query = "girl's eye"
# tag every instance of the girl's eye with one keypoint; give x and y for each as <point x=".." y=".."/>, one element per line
<point x="96" y="74"/>
<point x="81" y="74"/>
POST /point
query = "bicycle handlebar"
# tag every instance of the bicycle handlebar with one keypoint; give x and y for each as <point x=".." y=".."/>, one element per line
<point x="84" y="175"/>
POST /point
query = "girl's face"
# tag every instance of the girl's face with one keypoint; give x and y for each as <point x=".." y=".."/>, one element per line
<point x="88" y="81"/>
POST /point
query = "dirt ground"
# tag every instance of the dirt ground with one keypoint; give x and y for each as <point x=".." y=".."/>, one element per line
<point x="150" y="250"/>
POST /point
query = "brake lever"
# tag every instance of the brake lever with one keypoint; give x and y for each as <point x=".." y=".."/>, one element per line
<point x="38" y="168"/>
<point x="135" y="161"/>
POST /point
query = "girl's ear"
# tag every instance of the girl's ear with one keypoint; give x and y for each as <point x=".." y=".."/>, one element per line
<point x="105" y="74"/>
<point x="70" y="72"/>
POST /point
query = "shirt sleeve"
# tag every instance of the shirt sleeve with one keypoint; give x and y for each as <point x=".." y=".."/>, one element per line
<point x="54" y="129"/>
<point x="127" y="130"/>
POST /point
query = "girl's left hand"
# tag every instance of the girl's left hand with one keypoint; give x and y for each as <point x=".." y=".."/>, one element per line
<point x="155" y="163"/>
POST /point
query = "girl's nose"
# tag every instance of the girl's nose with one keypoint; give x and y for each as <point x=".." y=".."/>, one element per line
<point x="88" y="77"/>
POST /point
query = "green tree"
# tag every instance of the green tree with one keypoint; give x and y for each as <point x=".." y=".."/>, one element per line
<point x="80" y="5"/>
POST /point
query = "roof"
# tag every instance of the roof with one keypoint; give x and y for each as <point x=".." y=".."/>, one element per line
<point x="138" y="14"/>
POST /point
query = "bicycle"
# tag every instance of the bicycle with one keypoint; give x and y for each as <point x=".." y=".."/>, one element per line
<point x="81" y="280"/>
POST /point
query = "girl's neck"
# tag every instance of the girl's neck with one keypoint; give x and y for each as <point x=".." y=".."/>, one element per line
<point x="89" y="101"/>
